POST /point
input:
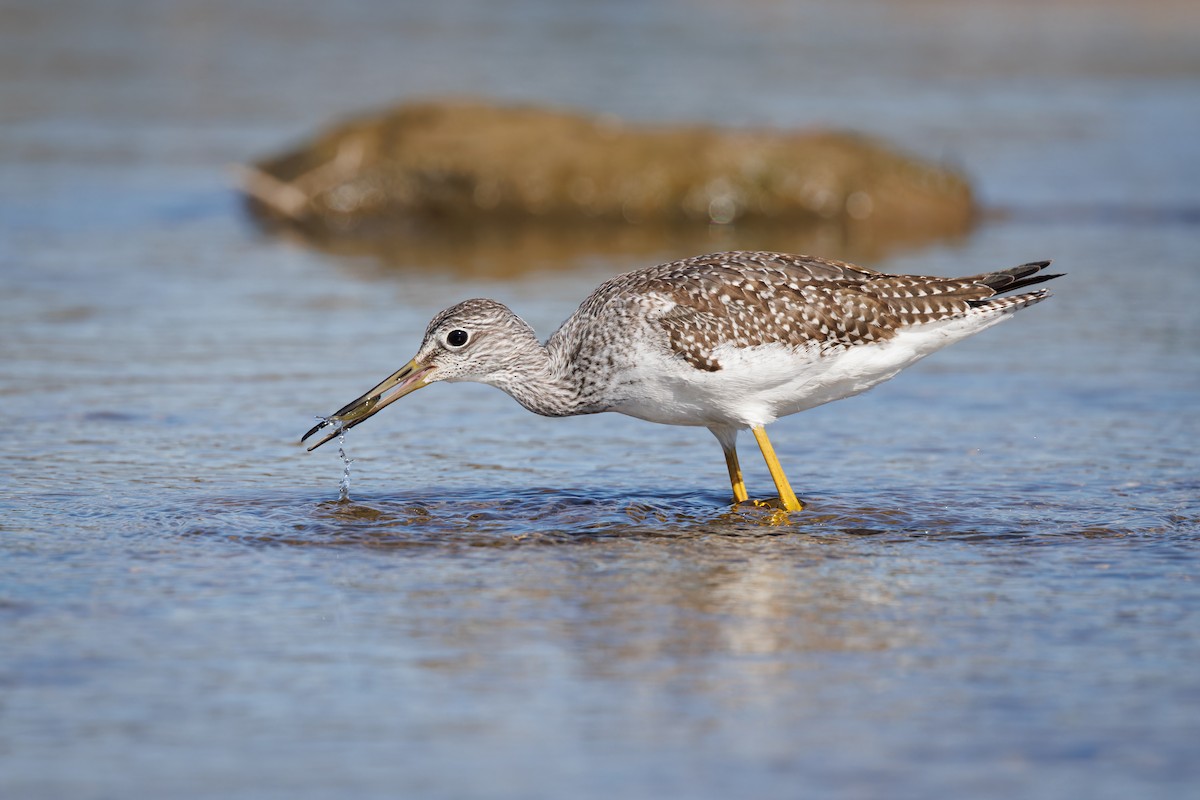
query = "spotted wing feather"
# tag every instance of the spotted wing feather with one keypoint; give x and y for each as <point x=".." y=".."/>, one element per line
<point x="747" y="299"/>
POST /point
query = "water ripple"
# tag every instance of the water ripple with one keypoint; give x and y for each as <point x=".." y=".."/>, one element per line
<point x="487" y="518"/>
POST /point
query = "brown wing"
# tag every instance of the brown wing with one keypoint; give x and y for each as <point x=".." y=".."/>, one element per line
<point x="749" y="298"/>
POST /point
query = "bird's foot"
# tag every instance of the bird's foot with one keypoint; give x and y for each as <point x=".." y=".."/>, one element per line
<point x="778" y="504"/>
<point x="778" y="512"/>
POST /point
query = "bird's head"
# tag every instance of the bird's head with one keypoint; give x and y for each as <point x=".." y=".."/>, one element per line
<point x="472" y="341"/>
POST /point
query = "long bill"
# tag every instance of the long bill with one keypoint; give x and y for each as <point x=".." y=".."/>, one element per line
<point x="403" y="381"/>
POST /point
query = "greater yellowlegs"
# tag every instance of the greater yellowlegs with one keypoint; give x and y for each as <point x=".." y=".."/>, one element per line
<point x="726" y="341"/>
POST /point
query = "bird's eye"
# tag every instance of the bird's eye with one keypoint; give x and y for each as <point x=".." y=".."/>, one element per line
<point x="457" y="338"/>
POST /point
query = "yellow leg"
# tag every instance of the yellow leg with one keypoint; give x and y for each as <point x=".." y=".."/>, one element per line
<point x="735" y="476"/>
<point x="786" y="495"/>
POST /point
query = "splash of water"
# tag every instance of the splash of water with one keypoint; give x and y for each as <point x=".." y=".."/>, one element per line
<point x="344" y="486"/>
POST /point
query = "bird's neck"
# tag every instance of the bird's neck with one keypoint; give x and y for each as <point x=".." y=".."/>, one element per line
<point x="540" y="378"/>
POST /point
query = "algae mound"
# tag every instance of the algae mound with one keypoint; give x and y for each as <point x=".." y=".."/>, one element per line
<point x="472" y="162"/>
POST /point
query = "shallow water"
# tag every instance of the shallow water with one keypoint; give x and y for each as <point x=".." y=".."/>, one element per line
<point x="992" y="593"/>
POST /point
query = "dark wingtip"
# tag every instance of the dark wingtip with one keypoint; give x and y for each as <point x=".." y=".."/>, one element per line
<point x="1008" y="280"/>
<point x="1021" y="284"/>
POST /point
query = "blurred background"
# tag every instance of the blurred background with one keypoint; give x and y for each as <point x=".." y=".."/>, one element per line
<point x="993" y="592"/>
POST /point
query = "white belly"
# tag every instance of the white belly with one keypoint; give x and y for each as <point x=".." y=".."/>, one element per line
<point x="757" y="385"/>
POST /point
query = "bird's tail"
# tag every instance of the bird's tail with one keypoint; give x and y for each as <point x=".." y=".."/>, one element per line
<point x="1009" y="280"/>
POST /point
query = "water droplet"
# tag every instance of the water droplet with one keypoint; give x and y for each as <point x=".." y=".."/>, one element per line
<point x="344" y="486"/>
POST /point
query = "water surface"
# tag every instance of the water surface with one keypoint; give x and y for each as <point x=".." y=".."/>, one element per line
<point x="993" y="592"/>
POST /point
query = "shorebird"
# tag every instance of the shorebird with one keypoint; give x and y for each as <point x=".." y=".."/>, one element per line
<point x="726" y="341"/>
